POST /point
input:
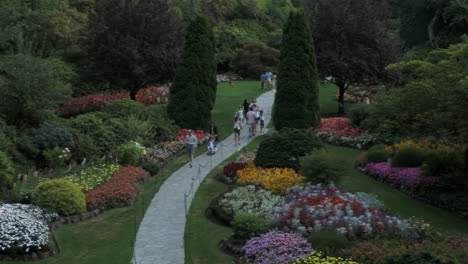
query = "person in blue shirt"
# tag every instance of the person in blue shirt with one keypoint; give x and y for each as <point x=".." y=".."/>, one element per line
<point x="263" y="78"/>
<point x="191" y="144"/>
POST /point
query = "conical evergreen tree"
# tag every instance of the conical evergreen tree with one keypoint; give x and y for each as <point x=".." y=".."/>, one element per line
<point x="193" y="92"/>
<point x="296" y="101"/>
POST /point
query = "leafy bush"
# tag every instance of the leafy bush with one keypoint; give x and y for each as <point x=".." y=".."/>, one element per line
<point x="283" y="148"/>
<point x="230" y="170"/>
<point x="318" y="258"/>
<point x="376" y="156"/>
<point x="249" y="199"/>
<point x="6" y="174"/>
<point x="91" y="177"/>
<point x="276" y="248"/>
<point x="57" y="156"/>
<point x="420" y="258"/>
<point x="441" y="162"/>
<point x="130" y="154"/>
<point x="322" y="166"/>
<point x="358" y="114"/>
<point x="50" y="135"/>
<point x="408" y="157"/>
<point x="255" y="59"/>
<point x="277" y="180"/>
<point x="327" y="241"/>
<point x="248" y="225"/>
<point x="151" y="167"/>
<point x="60" y="196"/>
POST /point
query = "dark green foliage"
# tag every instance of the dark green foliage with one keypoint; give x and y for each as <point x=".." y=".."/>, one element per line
<point x="284" y="148"/>
<point x="377" y="154"/>
<point x="50" y="135"/>
<point x="60" y="196"/>
<point x="328" y="242"/>
<point x="322" y="166"/>
<point x="255" y="59"/>
<point x="408" y="157"/>
<point x="193" y="92"/>
<point x="151" y="167"/>
<point x="6" y="174"/>
<point x="129" y="154"/>
<point x="296" y="101"/>
<point x="358" y="114"/>
<point x="415" y="16"/>
<point x="441" y="162"/>
<point x="247" y="225"/>
<point x="420" y="258"/>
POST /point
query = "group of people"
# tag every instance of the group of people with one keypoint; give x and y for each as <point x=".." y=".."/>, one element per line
<point x="269" y="79"/>
<point x="249" y="113"/>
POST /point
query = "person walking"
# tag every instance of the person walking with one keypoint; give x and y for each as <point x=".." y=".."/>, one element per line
<point x="262" y="121"/>
<point x="240" y="114"/>
<point x="191" y="144"/>
<point x="213" y="131"/>
<point x="237" y="130"/>
<point x="246" y="108"/>
<point x="251" y="121"/>
<point x="268" y="78"/>
<point x="263" y="78"/>
<point x="273" y="80"/>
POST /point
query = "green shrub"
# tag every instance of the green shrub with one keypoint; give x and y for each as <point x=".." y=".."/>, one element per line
<point x="284" y="148"/>
<point x="322" y="166"/>
<point x="255" y="59"/>
<point x="376" y="156"/>
<point x="328" y="242"/>
<point x="358" y="114"/>
<point x="247" y="225"/>
<point x="50" y="135"/>
<point x="130" y="154"/>
<point x="408" y="157"/>
<point x="60" y="196"/>
<point x="420" y="258"/>
<point x="151" y="167"/>
<point x="6" y="174"/>
<point x="57" y="157"/>
<point x="440" y="162"/>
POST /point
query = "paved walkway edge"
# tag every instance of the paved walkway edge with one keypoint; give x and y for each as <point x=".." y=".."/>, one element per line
<point x="160" y="237"/>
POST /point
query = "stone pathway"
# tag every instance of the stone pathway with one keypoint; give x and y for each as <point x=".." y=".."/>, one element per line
<point x="160" y="238"/>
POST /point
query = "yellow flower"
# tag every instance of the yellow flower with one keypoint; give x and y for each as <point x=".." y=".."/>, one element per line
<point x="277" y="180"/>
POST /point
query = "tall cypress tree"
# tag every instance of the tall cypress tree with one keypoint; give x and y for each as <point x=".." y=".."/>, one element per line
<point x="296" y="101"/>
<point x="193" y="92"/>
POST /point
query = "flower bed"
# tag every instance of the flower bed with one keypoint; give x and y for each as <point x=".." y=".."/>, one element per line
<point x="315" y="208"/>
<point x="424" y="145"/>
<point x="276" y="248"/>
<point x="230" y="170"/>
<point x="339" y="131"/>
<point x="405" y="178"/>
<point x="246" y="157"/>
<point x="24" y="227"/>
<point x="120" y="189"/>
<point x="164" y="152"/>
<point x="183" y="133"/>
<point x="95" y="102"/>
<point x="249" y="199"/>
<point x="92" y="177"/>
<point x="277" y="180"/>
<point x="319" y="258"/>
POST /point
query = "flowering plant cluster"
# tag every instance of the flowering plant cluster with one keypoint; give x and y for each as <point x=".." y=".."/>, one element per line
<point x="315" y="208"/>
<point x="230" y="169"/>
<point x="277" y="180"/>
<point x="165" y="151"/>
<point x="249" y="199"/>
<point x="246" y="157"/>
<point x="405" y="178"/>
<point x="424" y="145"/>
<point x="276" y="248"/>
<point x="95" y="102"/>
<point x="339" y="131"/>
<point x="24" y="226"/>
<point x="319" y="258"/>
<point x="227" y="78"/>
<point x="183" y="133"/>
<point x="121" y="188"/>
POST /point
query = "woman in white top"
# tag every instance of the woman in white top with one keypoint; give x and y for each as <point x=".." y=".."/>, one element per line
<point x="237" y="129"/>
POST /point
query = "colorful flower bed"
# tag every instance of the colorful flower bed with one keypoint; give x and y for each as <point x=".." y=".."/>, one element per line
<point x="424" y="145"/>
<point x="183" y="133"/>
<point x="315" y="208"/>
<point x="164" y="152"/>
<point x="24" y="226"/>
<point x="249" y="199"/>
<point x="230" y="170"/>
<point x="276" y="248"/>
<point x="95" y="102"/>
<point x="339" y="131"/>
<point x="405" y="178"/>
<point x="92" y="177"/>
<point x="277" y="180"/>
<point x="319" y="258"/>
<point x="120" y="189"/>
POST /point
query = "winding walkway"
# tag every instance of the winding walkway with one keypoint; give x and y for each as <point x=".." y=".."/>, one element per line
<point x="160" y="238"/>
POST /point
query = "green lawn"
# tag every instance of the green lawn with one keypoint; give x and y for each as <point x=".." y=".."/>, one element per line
<point x="328" y="102"/>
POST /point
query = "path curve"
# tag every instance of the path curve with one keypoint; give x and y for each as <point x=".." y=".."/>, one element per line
<point x="160" y="238"/>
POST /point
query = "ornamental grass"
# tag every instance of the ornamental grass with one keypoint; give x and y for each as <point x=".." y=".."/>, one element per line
<point x="277" y="180"/>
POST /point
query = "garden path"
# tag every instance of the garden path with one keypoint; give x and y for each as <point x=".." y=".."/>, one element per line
<point x="160" y="238"/>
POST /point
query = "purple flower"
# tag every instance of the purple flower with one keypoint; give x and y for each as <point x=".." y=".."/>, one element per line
<point x="407" y="178"/>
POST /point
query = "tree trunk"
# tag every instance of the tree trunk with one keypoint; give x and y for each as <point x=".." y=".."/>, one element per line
<point x="430" y="30"/>
<point x="133" y="93"/>
<point x="341" y="109"/>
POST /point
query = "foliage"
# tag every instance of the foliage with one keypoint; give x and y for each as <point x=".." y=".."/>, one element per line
<point x="297" y="77"/>
<point x="442" y="162"/>
<point x="376" y="156"/>
<point x="246" y="157"/>
<point x="119" y="190"/>
<point x="230" y="169"/>
<point x="361" y="54"/>
<point x="50" y="135"/>
<point x="318" y="258"/>
<point x="420" y="258"/>
<point x="137" y="55"/>
<point x="57" y="157"/>
<point x="322" y="166"/>
<point x="255" y="59"/>
<point x="92" y="177"/>
<point x="60" y="196"/>
<point x="358" y="114"/>
<point x="249" y="199"/>
<point x="24" y="227"/>
<point x="165" y="152"/>
<point x="151" y="167"/>
<point x="277" y="180"/>
<point x="406" y="178"/>
<point x="193" y="93"/>
<point x="6" y="174"/>
<point x="248" y="225"/>
<point x="408" y="157"/>
<point x="30" y="87"/>
<point x="276" y="248"/>
<point x="284" y="148"/>
<point x="339" y="131"/>
<point x="423" y="145"/>
<point x="327" y="241"/>
<point x="130" y="154"/>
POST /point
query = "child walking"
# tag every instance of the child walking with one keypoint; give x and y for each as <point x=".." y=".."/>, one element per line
<point x="237" y="129"/>
<point x="262" y="121"/>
